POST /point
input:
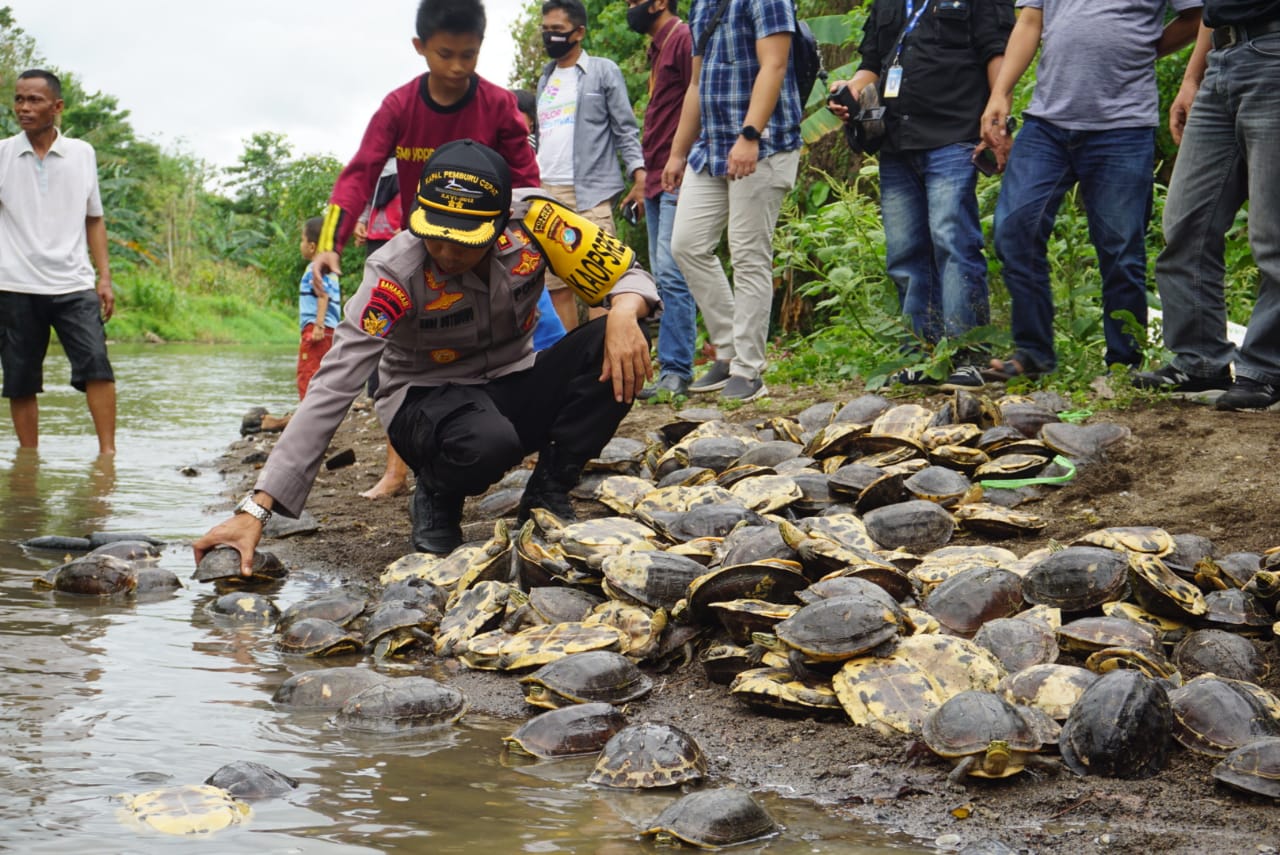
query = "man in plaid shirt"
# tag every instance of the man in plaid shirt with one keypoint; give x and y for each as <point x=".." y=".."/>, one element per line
<point x="735" y="156"/>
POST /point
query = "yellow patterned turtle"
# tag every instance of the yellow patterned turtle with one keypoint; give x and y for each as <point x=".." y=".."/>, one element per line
<point x="183" y="810"/>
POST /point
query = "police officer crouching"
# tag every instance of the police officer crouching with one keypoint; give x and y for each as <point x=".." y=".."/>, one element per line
<point x="449" y="306"/>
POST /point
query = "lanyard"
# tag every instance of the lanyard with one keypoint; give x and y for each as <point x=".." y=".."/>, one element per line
<point x="913" y="17"/>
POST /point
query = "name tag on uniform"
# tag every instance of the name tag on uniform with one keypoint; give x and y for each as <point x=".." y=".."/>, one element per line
<point x="893" y="82"/>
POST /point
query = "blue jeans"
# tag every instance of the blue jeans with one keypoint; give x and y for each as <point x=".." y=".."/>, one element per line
<point x="1228" y="155"/>
<point x="677" y="329"/>
<point x="1114" y="170"/>
<point x="933" y="239"/>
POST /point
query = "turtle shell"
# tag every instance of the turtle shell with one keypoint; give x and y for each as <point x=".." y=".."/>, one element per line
<point x="1083" y="443"/>
<point x="500" y="503"/>
<point x="1051" y="688"/>
<point x="1215" y="716"/>
<point x="969" y="722"/>
<point x="767" y="493"/>
<point x="396" y="628"/>
<point x="595" y="676"/>
<point x="415" y="565"/>
<point x="741" y="618"/>
<point x="962" y="458"/>
<point x="621" y="492"/>
<point x="843" y="528"/>
<point x="769" y="453"/>
<point x="97" y="576"/>
<point x="1166" y="629"/>
<point x="128" y="550"/>
<point x="775" y="581"/>
<point x="222" y="565"/>
<point x="325" y="688"/>
<point x="1234" y="610"/>
<point x="945" y="486"/>
<point x="888" y="489"/>
<point x="991" y="520"/>
<point x="652" y="578"/>
<point x="1008" y="466"/>
<point x="188" y="809"/>
<point x="711" y="819"/>
<point x="1119" y="728"/>
<point x="970" y="598"/>
<point x="1136" y="538"/>
<point x="341" y="607"/>
<point x="621" y="455"/>
<point x="476" y="609"/>
<point x="402" y="704"/>
<point x="1252" y="768"/>
<point x="840" y="628"/>
<point x="714" y="452"/>
<point x="1215" y="651"/>
<point x="834" y="440"/>
<point x="755" y="542"/>
<point x="317" y="637"/>
<point x="776" y="690"/>
<point x="245" y="779"/>
<point x="915" y="525"/>
<point x="1078" y="578"/>
<point x="414" y="591"/>
<point x="956" y="433"/>
<point x="244" y="607"/>
<point x="649" y="755"/>
<point x="535" y="646"/>
<point x="1018" y="643"/>
<point x="567" y="732"/>
<point x="1095" y="633"/>
<point x="863" y="409"/>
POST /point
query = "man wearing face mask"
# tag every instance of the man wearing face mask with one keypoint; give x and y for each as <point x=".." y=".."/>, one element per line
<point x="585" y="124"/>
<point x="670" y="70"/>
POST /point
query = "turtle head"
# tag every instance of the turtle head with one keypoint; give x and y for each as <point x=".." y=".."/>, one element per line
<point x="997" y="758"/>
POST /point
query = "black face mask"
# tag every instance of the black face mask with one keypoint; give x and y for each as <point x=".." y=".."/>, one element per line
<point x="557" y="44"/>
<point x="641" y="17"/>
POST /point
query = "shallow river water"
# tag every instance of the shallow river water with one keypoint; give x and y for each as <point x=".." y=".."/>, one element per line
<point x="99" y="699"/>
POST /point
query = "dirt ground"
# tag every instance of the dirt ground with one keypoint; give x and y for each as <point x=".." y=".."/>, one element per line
<point x="1185" y="468"/>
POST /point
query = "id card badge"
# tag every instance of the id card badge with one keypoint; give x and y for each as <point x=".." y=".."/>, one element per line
<point x="893" y="82"/>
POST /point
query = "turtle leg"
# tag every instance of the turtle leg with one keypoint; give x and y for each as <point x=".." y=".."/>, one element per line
<point x="799" y="670"/>
<point x="961" y="771"/>
<point x="1038" y="763"/>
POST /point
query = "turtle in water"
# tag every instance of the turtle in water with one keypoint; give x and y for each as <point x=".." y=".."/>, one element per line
<point x="567" y="731"/>
<point x="710" y="819"/>
<point x="649" y="755"/>
<point x="317" y="637"/>
<point x="245" y="779"/>
<point x="402" y="704"/>
<point x="325" y="688"/>
<point x="96" y="576"/>
<point x="244" y="607"/>
<point x="987" y="737"/>
<point x="221" y="566"/>
<point x="189" y="809"/>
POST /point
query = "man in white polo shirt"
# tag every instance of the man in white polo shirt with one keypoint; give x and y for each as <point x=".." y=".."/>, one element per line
<point x="50" y="224"/>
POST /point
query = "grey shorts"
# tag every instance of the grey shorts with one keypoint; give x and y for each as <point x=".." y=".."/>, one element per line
<point x="25" y="321"/>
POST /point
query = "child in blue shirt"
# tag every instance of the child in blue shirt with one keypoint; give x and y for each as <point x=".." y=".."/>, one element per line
<point x="319" y="309"/>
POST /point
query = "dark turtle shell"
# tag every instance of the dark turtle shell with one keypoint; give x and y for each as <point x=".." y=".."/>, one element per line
<point x="595" y="676"/>
<point x="1083" y="443"/>
<point x="938" y="484"/>
<point x="1120" y="727"/>
<point x="840" y="628"/>
<point x="968" y="722"/>
<point x="341" y="607"/>
<point x="649" y="755"/>
<point x="1236" y="611"/>
<point x="713" y="818"/>
<point x="1078" y="578"/>
<point x="864" y="409"/>
<point x="714" y="452"/>
<point x="769" y="453"/>
<point x="650" y="577"/>
<point x="155" y="580"/>
<point x="567" y="732"/>
<point x="715" y="520"/>
<point x="94" y="576"/>
<point x="1018" y="643"/>
<point x="222" y="565"/>
<point x="1215" y="716"/>
<point x="415" y="591"/>
<point x="244" y="607"/>
<point x="1215" y="651"/>
<point x="128" y="550"/>
<point x="325" y="688"/>
<point x="401" y="704"/>
<point x="965" y="601"/>
<point x="917" y="525"/>
<point x="317" y="637"/>
<point x="1253" y="768"/>
<point x="755" y="542"/>
<point x="246" y="779"/>
<point x="1095" y="633"/>
<point x="776" y="581"/>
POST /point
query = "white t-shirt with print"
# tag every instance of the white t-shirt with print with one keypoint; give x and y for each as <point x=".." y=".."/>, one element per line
<point x="557" y="107"/>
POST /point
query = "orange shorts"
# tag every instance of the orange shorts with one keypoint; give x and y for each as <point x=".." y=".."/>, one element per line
<point x="309" y="355"/>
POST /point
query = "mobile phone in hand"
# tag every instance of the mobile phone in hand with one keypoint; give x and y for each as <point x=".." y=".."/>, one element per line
<point x="846" y="99"/>
<point x="631" y="213"/>
<point x="986" y="162"/>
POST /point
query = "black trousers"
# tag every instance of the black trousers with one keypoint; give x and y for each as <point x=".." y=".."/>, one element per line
<point x="460" y="439"/>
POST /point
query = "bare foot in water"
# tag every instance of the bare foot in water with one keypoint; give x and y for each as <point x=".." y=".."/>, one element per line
<point x="394" y="481"/>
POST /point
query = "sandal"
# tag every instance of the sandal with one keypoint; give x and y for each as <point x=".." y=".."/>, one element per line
<point x="1001" y="370"/>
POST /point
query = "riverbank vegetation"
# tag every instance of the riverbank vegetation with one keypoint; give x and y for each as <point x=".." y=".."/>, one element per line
<point x="208" y="255"/>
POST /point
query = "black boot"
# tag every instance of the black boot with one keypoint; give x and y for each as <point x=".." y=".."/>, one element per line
<point x="436" y="519"/>
<point x="549" y="486"/>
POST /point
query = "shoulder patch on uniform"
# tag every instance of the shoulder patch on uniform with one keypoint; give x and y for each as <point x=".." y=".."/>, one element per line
<point x="387" y="304"/>
<point x="515" y="237"/>
<point x="444" y="355"/>
<point x="530" y="260"/>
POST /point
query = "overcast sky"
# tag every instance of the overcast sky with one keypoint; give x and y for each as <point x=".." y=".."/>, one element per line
<point x="204" y="76"/>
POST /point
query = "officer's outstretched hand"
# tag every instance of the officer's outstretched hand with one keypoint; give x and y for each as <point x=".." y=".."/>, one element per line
<point x="241" y="531"/>
<point x="626" y="350"/>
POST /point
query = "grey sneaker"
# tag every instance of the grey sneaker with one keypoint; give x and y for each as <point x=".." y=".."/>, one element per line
<point x="966" y="377"/>
<point x="743" y="389"/>
<point x="909" y="377"/>
<point x="671" y="383"/>
<point x="1249" y="394"/>
<point x="712" y="381"/>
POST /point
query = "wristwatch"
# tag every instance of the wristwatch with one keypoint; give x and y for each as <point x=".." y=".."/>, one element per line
<point x="249" y="506"/>
<point x="749" y="133"/>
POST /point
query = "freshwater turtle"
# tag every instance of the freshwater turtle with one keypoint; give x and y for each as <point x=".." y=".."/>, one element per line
<point x="767" y="493"/>
<point x="620" y="493"/>
<point x="772" y="580"/>
<point x="1215" y="651"/>
<point x="1162" y="592"/>
<point x="547" y="604"/>
<point x="567" y="731"/>
<point x="945" y="486"/>
<point x="833" y="630"/>
<point x="325" y="688"/>
<point x="1147" y="539"/>
<point x="188" y="809"/>
<point x="985" y="736"/>
<point x="940" y="564"/>
<point x="754" y="542"/>
<point x="414" y="591"/>
<point x="970" y="598"/>
<point x="652" y="578"/>
<point x="777" y="690"/>
<point x="402" y="704"/>
<point x="1078" y="578"/>
<point x="1085" y="635"/>
<point x="98" y="576"/>
<point x="245" y="779"/>
<point x="770" y="452"/>
<point x="1236" y="610"/>
<point x="992" y="520"/>
<point x="1051" y="688"/>
<point x="1252" y="768"/>
<point x="710" y="819"/>
<point x="621" y="455"/>
<point x="340" y="607"/>
<point x="1215" y="716"/>
<point x="864" y="409"/>
<point x="1119" y="728"/>
<point x="244" y="607"/>
<point x="639" y="628"/>
<point x="917" y="525"/>
<point x="221" y="565"/>
<point x="649" y="755"/>
<point x="594" y="676"/>
<point x="589" y="542"/>
<point x="740" y="618"/>
<point x="706" y="520"/>
<point x="1018" y="643"/>
<point x="128" y="550"/>
<point x="317" y="637"/>
<point x="476" y="610"/>
<point x="415" y="565"/>
<point x="490" y="563"/>
<point x="536" y="645"/>
<point x="396" y="628"/>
